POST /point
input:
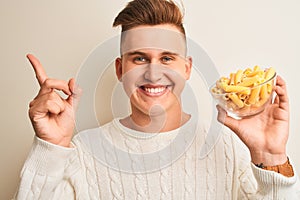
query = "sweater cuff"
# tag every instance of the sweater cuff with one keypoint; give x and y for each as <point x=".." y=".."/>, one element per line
<point x="48" y="159"/>
<point x="272" y="179"/>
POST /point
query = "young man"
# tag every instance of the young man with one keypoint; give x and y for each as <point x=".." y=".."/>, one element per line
<point x="112" y="161"/>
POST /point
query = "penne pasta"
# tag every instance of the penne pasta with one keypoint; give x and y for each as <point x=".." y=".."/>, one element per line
<point x="224" y="80"/>
<point x="232" y="78"/>
<point x="256" y="70"/>
<point x="238" y="77"/>
<point x="261" y="102"/>
<point x="235" y="99"/>
<point x="270" y="73"/>
<point x="246" y="91"/>
<point x="263" y="92"/>
<point x="250" y="81"/>
<point x="243" y="97"/>
<point x="247" y="71"/>
<point x="269" y="88"/>
<point x="230" y="105"/>
<point x="236" y="88"/>
<point x="246" y="108"/>
<point x="254" y="95"/>
<point x="225" y="97"/>
<point x="222" y="85"/>
<point x="216" y="90"/>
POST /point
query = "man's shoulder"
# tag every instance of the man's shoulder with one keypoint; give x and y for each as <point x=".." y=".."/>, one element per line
<point x="93" y="133"/>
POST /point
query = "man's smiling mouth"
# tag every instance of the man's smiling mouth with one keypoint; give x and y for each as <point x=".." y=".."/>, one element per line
<point x="154" y="90"/>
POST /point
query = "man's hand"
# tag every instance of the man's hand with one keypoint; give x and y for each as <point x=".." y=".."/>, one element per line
<point x="265" y="134"/>
<point x="53" y="117"/>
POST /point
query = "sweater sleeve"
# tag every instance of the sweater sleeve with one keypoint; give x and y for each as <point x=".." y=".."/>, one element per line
<point x="256" y="183"/>
<point x="47" y="172"/>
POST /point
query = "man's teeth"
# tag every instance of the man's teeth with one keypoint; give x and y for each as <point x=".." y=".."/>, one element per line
<point x="155" y="90"/>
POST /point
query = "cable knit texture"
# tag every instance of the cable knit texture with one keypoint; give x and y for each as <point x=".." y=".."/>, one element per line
<point x="95" y="168"/>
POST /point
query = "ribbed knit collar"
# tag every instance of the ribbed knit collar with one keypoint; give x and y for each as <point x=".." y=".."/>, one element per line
<point x="142" y="135"/>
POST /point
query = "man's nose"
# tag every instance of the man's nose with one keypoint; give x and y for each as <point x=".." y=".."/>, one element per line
<point x="153" y="72"/>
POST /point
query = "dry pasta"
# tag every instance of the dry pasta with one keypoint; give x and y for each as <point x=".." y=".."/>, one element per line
<point x="245" y="89"/>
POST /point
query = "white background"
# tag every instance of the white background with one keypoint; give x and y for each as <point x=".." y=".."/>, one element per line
<point x="235" y="34"/>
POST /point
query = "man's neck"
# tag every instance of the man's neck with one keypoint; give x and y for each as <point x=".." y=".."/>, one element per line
<point x="155" y="123"/>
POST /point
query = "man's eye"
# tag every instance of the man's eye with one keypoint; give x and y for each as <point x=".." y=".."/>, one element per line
<point x="167" y="59"/>
<point x="139" y="59"/>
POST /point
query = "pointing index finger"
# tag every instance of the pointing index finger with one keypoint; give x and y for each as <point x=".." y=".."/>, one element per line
<point x="40" y="73"/>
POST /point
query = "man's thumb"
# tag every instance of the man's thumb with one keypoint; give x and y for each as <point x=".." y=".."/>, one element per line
<point x="74" y="98"/>
<point x="225" y="119"/>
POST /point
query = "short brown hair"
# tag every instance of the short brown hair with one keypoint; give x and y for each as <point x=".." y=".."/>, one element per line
<point x="150" y="12"/>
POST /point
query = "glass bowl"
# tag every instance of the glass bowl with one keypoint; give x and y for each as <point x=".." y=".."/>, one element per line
<point x="240" y="101"/>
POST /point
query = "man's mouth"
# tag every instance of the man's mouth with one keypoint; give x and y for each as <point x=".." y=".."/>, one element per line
<point x="154" y="90"/>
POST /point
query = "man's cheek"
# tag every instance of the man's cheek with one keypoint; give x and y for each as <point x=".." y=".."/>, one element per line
<point x="178" y="88"/>
<point x="178" y="80"/>
<point x="131" y="78"/>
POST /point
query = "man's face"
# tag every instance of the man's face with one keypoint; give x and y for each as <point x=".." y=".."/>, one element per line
<point x="154" y="76"/>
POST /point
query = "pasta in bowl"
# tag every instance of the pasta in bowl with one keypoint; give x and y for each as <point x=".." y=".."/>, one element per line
<point x="246" y="92"/>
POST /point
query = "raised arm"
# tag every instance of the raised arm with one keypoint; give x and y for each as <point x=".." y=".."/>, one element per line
<point x="45" y="174"/>
<point x="266" y="136"/>
<point x="53" y="117"/>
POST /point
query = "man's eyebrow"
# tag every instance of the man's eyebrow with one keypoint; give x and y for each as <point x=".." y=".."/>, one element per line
<point x="169" y="53"/>
<point x="145" y="54"/>
<point x="135" y="53"/>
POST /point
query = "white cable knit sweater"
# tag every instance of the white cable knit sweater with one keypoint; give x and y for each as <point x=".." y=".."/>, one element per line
<point x="92" y="169"/>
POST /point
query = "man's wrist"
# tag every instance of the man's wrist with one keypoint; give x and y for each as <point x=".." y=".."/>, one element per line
<point x="268" y="159"/>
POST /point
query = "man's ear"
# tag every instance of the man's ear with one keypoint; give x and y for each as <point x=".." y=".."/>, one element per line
<point x="188" y="67"/>
<point x="118" y="67"/>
